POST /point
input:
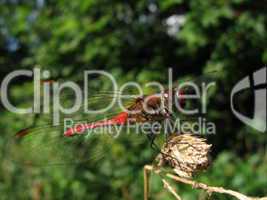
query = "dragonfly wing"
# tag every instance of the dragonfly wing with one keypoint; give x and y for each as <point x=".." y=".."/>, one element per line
<point x="50" y="147"/>
<point x="46" y="144"/>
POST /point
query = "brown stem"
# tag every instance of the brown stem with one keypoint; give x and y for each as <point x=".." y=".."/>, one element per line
<point x="197" y="185"/>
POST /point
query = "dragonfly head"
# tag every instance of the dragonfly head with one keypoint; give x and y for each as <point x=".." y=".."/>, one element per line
<point x="175" y="98"/>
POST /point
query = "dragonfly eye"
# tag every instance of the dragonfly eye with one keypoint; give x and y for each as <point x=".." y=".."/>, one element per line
<point x="166" y="95"/>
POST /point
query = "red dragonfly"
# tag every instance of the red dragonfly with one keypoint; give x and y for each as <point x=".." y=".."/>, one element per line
<point x="50" y="145"/>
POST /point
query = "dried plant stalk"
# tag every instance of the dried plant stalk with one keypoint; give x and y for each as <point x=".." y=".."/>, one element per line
<point x="186" y="154"/>
<point x="198" y="185"/>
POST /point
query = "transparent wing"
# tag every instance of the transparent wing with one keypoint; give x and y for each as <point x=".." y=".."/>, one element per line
<point x="46" y="145"/>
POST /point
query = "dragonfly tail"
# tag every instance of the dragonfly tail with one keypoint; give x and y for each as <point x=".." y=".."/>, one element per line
<point x="119" y="119"/>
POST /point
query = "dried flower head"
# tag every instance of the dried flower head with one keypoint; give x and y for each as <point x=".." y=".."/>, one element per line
<point x="186" y="154"/>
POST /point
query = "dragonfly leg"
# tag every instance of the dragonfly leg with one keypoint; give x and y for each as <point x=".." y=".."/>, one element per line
<point x="151" y="137"/>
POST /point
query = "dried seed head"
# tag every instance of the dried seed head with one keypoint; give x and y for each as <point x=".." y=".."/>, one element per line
<point x="186" y="154"/>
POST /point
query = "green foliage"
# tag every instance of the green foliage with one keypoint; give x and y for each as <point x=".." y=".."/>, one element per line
<point x="130" y="39"/>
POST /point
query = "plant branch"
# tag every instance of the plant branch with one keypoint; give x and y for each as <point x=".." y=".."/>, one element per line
<point x="197" y="185"/>
<point x="147" y="170"/>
